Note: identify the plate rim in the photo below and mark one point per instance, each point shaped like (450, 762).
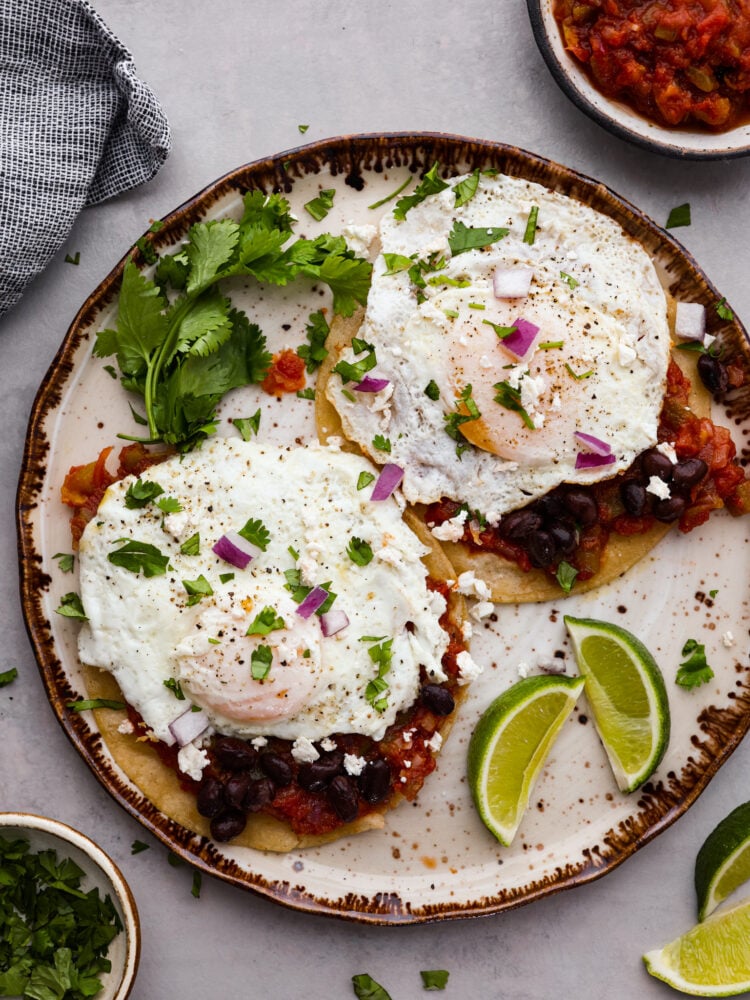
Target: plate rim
(414, 149)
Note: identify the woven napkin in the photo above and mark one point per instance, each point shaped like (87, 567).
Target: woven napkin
(77, 126)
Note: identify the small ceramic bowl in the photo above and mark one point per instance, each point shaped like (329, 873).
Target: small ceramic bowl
(618, 118)
(100, 873)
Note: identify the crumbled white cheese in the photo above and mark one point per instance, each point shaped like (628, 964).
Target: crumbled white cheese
(468, 669)
(407, 736)
(353, 764)
(531, 392)
(126, 727)
(667, 449)
(191, 761)
(467, 630)
(434, 743)
(471, 585)
(334, 443)
(728, 640)
(486, 363)
(481, 609)
(178, 525)
(259, 742)
(359, 238)
(451, 530)
(303, 751)
(659, 488)
(407, 764)
(626, 353)
(523, 669)
(328, 744)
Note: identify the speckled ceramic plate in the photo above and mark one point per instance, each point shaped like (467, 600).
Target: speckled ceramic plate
(434, 859)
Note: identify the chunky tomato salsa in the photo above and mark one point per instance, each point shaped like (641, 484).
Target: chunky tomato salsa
(678, 62)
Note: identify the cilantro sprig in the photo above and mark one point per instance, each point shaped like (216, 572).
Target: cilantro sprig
(376, 692)
(695, 670)
(454, 421)
(183, 352)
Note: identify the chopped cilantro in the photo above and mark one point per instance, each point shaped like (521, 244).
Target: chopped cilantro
(142, 492)
(320, 207)
(138, 847)
(226, 577)
(256, 533)
(550, 345)
(136, 556)
(359, 551)
(306, 394)
(530, 233)
(65, 561)
(303, 128)
(173, 685)
(381, 443)
(572, 283)
(260, 662)
(451, 313)
(316, 331)
(431, 390)
(723, 311)
(396, 262)
(462, 238)
(453, 421)
(434, 979)
(583, 375)
(144, 244)
(299, 590)
(73, 260)
(265, 622)
(501, 331)
(71, 606)
(89, 704)
(365, 988)
(196, 887)
(247, 426)
(430, 184)
(510, 398)
(566, 576)
(348, 395)
(110, 370)
(466, 189)
(679, 216)
(695, 670)
(197, 590)
(376, 692)
(8, 676)
(356, 371)
(394, 194)
(476, 305)
(169, 505)
(364, 479)
(191, 546)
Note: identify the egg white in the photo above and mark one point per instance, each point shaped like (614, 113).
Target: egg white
(594, 288)
(144, 631)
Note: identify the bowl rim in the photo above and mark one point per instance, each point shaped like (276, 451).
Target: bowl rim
(564, 77)
(123, 892)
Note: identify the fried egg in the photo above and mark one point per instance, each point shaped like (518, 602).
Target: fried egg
(597, 365)
(236, 645)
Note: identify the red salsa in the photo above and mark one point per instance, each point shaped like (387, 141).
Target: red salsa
(678, 62)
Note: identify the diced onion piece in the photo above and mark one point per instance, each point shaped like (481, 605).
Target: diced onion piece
(520, 341)
(690, 320)
(370, 384)
(593, 444)
(312, 602)
(389, 479)
(511, 282)
(589, 460)
(188, 726)
(333, 621)
(235, 549)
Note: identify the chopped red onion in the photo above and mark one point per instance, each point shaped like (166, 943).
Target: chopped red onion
(512, 282)
(519, 342)
(188, 726)
(312, 602)
(389, 479)
(593, 444)
(235, 549)
(333, 621)
(589, 460)
(690, 320)
(370, 384)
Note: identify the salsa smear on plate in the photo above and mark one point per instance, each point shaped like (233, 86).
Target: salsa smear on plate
(678, 62)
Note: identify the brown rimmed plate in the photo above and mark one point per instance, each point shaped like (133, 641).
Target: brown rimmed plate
(434, 860)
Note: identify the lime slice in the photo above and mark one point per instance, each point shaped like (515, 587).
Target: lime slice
(511, 743)
(627, 696)
(711, 960)
(723, 863)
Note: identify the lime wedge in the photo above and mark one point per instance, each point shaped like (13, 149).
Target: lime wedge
(711, 960)
(510, 744)
(723, 863)
(627, 696)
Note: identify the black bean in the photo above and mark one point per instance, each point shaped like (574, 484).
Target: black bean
(438, 699)
(235, 754)
(314, 777)
(259, 793)
(519, 524)
(342, 794)
(713, 373)
(670, 509)
(634, 497)
(689, 472)
(582, 506)
(564, 538)
(228, 825)
(236, 789)
(654, 463)
(210, 799)
(375, 781)
(278, 768)
(550, 507)
(541, 548)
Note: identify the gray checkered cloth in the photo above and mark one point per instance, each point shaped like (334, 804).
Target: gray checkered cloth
(77, 126)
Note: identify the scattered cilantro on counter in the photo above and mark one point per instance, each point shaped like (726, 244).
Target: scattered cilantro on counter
(434, 979)
(197, 881)
(8, 676)
(137, 847)
(679, 216)
(365, 988)
(303, 128)
(695, 669)
(73, 260)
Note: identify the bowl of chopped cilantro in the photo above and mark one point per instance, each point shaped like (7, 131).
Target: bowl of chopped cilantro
(68, 921)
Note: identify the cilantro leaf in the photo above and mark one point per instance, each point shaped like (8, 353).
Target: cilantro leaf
(454, 421)
(169, 505)
(510, 398)
(320, 206)
(695, 670)
(247, 426)
(141, 324)
(364, 479)
(571, 281)
(314, 352)
(8, 676)
(356, 371)
(266, 621)
(723, 311)
(71, 607)
(142, 492)
(197, 590)
(137, 557)
(365, 988)
(430, 184)
(679, 216)
(260, 662)
(173, 685)
(566, 576)
(431, 390)
(462, 238)
(381, 443)
(530, 232)
(255, 532)
(396, 262)
(376, 692)
(65, 561)
(210, 247)
(191, 546)
(359, 551)
(137, 847)
(434, 979)
(466, 189)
